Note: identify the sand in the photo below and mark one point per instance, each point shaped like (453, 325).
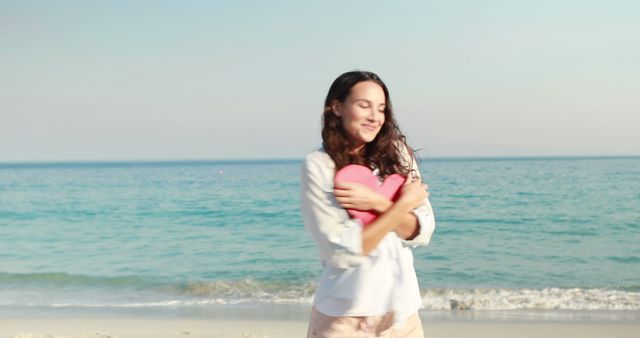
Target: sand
(107, 327)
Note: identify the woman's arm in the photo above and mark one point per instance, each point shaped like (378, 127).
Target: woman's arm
(373, 233)
(408, 227)
(358, 196)
(338, 238)
(411, 195)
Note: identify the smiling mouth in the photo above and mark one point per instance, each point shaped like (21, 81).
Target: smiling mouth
(370, 127)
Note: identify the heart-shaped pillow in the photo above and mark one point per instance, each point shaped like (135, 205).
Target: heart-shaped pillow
(355, 173)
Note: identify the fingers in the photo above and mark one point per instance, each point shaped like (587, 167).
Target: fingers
(411, 179)
(341, 192)
(344, 185)
(416, 191)
(342, 189)
(344, 200)
(350, 189)
(347, 203)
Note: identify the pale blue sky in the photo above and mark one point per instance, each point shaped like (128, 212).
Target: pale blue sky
(143, 80)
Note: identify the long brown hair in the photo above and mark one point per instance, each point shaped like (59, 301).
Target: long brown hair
(384, 152)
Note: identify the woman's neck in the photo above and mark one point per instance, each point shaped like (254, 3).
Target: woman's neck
(356, 150)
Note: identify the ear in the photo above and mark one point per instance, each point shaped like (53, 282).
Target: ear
(335, 107)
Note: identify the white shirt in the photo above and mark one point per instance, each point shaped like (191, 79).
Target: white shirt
(353, 284)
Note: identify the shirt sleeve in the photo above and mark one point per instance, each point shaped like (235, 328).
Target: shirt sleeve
(426, 224)
(424, 214)
(338, 237)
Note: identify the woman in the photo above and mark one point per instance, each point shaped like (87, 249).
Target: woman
(369, 285)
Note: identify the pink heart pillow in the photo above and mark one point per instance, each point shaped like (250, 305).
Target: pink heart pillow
(355, 173)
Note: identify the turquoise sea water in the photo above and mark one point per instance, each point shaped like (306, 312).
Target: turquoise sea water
(512, 234)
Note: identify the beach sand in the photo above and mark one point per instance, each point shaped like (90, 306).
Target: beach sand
(110, 327)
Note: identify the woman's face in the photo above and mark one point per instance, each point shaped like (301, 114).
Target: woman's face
(362, 113)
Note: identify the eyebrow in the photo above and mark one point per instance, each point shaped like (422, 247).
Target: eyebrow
(369, 102)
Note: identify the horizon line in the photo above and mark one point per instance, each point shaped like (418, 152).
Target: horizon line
(290, 159)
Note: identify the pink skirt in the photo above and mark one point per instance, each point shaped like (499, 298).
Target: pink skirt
(323, 326)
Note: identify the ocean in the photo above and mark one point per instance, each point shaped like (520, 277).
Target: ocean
(513, 236)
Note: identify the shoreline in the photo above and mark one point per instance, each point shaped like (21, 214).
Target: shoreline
(300, 312)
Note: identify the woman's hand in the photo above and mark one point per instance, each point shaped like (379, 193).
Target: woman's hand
(413, 193)
(360, 197)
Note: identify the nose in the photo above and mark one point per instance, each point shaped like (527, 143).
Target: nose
(372, 115)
